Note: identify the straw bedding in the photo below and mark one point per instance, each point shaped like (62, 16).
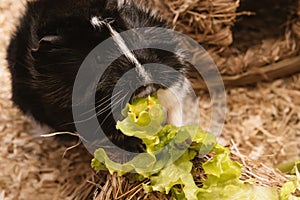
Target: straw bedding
(241, 36)
(263, 121)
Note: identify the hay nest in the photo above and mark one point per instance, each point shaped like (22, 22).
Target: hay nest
(245, 38)
(262, 124)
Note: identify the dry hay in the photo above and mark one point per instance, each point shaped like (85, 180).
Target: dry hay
(208, 22)
(263, 123)
(241, 36)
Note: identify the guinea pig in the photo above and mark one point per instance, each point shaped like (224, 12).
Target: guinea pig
(52, 40)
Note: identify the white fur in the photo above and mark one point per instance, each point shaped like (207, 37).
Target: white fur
(96, 22)
(123, 48)
(182, 107)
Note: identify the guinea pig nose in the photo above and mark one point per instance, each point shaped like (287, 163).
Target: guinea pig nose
(146, 90)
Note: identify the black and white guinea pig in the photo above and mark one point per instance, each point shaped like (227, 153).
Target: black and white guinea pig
(52, 40)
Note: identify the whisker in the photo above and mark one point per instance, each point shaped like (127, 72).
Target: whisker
(115, 96)
(106, 108)
(106, 98)
(114, 107)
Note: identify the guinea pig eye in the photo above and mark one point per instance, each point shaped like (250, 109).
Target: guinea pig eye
(48, 35)
(50, 39)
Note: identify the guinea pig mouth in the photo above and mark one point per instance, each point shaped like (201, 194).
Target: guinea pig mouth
(151, 89)
(179, 106)
(167, 100)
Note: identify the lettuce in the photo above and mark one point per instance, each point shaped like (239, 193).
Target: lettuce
(223, 180)
(287, 190)
(167, 161)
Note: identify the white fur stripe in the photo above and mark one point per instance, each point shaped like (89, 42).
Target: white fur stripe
(96, 22)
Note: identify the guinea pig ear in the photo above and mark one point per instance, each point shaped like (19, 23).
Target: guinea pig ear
(45, 42)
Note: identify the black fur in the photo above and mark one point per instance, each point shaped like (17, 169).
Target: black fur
(43, 71)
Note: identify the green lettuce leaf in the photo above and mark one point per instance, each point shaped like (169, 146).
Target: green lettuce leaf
(287, 190)
(237, 190)
(223, 180)
(143, 120)
(167, 162)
